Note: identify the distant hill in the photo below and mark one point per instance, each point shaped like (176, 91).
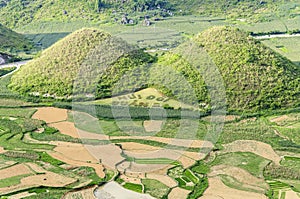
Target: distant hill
(255, 77)
(15, 13)
(11, 41)
(86, 62)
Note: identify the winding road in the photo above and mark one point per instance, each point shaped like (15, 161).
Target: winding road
(16, 64)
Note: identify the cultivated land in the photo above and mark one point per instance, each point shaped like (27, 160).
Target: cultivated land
(49, 150)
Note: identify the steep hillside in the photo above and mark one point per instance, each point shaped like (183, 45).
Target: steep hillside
(75, 66)
(11, 41)
(255, 77)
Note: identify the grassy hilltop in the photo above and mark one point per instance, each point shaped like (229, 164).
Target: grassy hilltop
(74, 65)
(11, 41)
(255, 77)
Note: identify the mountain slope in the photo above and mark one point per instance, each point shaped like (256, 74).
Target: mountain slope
(15, 13)
(11, 41)
(255, 77)
(86, 62)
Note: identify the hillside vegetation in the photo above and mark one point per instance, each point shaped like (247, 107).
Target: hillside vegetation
(11, 41)
(255, 77)
(86, 62)
(16, 13)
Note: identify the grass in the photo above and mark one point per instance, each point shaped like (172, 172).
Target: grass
(288, 47)
(5, 71)
(155, 188)
(233, 183)
(17, 112)
(252, 163)
(134, 187)
(12, 181)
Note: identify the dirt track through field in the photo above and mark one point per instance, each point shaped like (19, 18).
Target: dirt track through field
(258, 148)
(240, 175)
(217, 189)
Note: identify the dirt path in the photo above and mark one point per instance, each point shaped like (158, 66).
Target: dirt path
(217, 190)
(258, 148)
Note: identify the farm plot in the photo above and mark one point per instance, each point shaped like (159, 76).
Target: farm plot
(50, 114)
(218, 190)
(258, 148)
(250, 162)
(155, 188)
(178, 193)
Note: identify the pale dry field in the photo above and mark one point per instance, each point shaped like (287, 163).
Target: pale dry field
(50, 114)
(153, 125)
(178, 193)
(48, 179)
(258, 148)
(138, 148)
(21, 195)
(99, 169)
(84, 194)
(19, 169)
(240, 175)
(280, 119)
(217, 189)
(110, 155)
(130, 179)
(165, 179)
(291, 195)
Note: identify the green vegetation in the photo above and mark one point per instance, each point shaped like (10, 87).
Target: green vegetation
(11, 181)
(5, 71)
(155, 188)
(12, 42)
(255, 77)
(134, 187)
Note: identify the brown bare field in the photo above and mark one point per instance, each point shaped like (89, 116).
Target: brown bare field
(130, 179)
(48, 178)
(50, 114)
(218, 189)
(67, 128)
(280, 119)
(153, 125)
(258, 148)
(165, 179)
(84, 194)
(228, 118)
(240, 175)
(291, 195)
(74, 151)
(19, 169)
(178, 193)
(99, 169)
